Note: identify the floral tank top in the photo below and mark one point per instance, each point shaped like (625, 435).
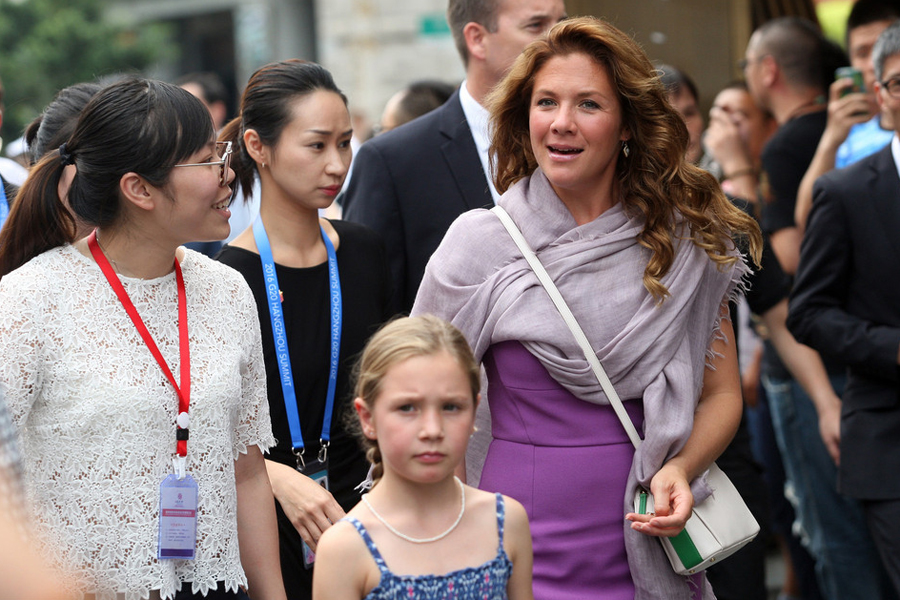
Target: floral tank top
(485, 582)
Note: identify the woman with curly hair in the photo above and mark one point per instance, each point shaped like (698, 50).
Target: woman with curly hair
(589, 157)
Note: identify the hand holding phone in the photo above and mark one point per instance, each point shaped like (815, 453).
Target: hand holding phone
(854, 74)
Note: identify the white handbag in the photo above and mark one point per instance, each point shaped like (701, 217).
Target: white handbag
(720, 525)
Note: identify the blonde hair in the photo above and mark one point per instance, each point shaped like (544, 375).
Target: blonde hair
(655, 180)
(398, 341)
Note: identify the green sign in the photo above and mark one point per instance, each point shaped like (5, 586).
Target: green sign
(434, 25)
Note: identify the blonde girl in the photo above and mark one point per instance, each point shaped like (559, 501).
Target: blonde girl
(421, 532)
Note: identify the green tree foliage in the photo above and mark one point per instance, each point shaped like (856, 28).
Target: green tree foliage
(46, 45)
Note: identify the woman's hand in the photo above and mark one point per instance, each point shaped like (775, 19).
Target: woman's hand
(310, 507)
(673, 502)
(724, 143)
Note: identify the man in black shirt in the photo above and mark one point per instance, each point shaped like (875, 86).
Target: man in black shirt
(788, 65)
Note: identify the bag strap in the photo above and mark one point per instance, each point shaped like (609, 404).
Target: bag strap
(570, 320)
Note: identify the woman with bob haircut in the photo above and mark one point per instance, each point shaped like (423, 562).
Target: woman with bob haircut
(133, 367)
(589, 156)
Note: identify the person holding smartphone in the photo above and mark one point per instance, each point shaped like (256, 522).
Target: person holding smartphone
(856, 128)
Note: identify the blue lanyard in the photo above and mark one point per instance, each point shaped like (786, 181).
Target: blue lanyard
(281, 344)
(4, 204)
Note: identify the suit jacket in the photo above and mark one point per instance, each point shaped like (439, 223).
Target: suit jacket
(846, 303)
(411, 183)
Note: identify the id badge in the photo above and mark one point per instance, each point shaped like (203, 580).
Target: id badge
(317, 471)
(177, 518)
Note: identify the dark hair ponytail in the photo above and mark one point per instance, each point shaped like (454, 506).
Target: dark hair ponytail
(134, 125)
(38, 220)
(54, 126)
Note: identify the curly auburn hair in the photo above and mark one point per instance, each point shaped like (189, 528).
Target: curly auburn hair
(400, 340)
(655, 181)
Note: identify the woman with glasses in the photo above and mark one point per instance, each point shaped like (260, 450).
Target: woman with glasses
(321, 287)
(133, 367)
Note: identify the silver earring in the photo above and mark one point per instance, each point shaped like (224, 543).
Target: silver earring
(264, 165)
(625, 149)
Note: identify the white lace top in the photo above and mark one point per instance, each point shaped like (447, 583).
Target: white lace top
(97, 415)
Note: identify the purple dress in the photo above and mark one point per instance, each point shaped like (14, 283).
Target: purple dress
(567, 462)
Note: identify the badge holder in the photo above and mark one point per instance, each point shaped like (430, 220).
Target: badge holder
(316, 470)
(178, 514)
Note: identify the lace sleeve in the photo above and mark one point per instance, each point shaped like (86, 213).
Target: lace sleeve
(254, 426)
(12, 503)
(20, 347)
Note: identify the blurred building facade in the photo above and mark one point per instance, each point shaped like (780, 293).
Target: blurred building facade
(375, 47)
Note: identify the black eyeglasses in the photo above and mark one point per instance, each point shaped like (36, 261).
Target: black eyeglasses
(223, 151)
(892, 86)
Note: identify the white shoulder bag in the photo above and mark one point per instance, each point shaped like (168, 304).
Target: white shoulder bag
(720, 525)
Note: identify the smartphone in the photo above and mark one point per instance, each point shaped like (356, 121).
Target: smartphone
(854, 74)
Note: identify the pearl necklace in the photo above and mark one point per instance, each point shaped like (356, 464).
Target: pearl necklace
(440, 536)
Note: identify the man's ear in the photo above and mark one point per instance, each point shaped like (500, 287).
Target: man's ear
(475, 35)
(878, 97)
(136, 190)
(771, 71)
(258, 151)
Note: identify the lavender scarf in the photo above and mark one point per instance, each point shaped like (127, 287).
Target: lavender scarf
(478, 280)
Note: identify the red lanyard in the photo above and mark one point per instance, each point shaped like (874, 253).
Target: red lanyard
(183, 391)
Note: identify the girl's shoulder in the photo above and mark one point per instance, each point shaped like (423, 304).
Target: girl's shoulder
(342, 537)
(507, 509)
(516, 518)
(344, 566)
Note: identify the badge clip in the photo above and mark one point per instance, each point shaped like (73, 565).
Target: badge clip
(179, 464)
(301, 463)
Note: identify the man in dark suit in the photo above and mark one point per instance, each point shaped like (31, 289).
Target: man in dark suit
(412, 182)
(846, 303)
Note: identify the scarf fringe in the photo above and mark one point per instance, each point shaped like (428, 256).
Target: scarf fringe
(740, 285)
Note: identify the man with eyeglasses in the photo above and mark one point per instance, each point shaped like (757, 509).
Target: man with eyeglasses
(856, 128)
(846, 303)
(789, 67)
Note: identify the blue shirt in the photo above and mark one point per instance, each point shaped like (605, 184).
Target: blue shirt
(864, 139)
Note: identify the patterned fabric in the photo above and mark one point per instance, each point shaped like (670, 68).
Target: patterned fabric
(11, 501)
(485, 582)
(96, 416)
